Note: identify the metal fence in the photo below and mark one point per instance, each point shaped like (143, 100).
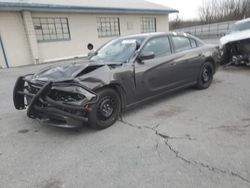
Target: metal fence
(208, 31)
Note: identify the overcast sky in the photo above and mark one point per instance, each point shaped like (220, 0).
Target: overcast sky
(188, 8)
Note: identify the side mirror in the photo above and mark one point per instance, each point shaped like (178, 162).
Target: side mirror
(92, 53)
(146, 56)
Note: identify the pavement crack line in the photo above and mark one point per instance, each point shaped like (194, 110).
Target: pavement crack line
(130, 124)
(178, 155)
(207, 166)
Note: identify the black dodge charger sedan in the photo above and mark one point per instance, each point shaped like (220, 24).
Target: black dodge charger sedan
(122, 73)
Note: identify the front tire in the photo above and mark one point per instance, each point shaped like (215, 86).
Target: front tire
(206, 76)
(107, 110)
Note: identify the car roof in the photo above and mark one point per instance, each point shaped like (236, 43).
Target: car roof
(143, 35)
(158, 34)
(155, 34)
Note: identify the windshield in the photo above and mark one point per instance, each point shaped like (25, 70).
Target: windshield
(119, 50)
(240, 27)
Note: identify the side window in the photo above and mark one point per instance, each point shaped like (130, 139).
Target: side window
(160, 46)
(193, 43)
(181, 43)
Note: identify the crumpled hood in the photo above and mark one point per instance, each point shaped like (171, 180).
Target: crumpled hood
(61, 73)
(241, 35)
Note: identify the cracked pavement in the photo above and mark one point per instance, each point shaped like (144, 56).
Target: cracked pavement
(178, 155)
(188, 139)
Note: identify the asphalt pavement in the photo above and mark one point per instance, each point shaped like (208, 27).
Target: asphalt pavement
(192, 138)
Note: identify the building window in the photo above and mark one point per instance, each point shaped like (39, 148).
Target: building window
(108, 26)
(148, 24)
(51, 29)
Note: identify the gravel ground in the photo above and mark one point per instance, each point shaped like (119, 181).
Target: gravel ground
(189, 139)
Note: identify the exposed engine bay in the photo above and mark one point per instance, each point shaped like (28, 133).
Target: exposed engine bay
(235, 46)
(236, 53)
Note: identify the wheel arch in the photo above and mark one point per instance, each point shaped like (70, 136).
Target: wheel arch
(211, 60)
(120, 90)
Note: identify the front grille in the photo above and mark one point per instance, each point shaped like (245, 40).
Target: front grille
(65, 96)
(54, 94)
(34, 88)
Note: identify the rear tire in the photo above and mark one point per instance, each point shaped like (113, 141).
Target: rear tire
(206, 76)
(107, 110)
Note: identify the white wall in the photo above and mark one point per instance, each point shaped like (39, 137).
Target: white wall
(83, 30)
(14, 39)
(162, 24)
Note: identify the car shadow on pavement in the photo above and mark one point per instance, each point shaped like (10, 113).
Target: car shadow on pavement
(242, 68)
(85, 129)
(158, 100)
(38, 127)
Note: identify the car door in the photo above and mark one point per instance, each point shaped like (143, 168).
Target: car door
(154, 76)
(188, 58)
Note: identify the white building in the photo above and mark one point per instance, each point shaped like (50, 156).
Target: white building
(37, 31)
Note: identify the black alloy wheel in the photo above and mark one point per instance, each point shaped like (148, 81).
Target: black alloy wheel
(107, 110)
(207, 73)
(205, 77)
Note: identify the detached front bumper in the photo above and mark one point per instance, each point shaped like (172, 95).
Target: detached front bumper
(40, 104)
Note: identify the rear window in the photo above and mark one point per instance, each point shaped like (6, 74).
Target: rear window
(181, 43)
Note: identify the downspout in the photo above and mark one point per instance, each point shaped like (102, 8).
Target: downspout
(4, 53)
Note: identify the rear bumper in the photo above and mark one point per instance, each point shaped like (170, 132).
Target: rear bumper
(56, 113)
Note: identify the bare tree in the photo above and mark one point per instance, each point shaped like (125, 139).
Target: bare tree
(175, 23)
(213, 11)
(223, 10)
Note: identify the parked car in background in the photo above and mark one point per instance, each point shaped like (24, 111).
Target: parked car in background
(235, 46)
(122, 73)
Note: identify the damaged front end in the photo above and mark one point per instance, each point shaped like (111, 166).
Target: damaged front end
(236, 53)
(61, 104)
